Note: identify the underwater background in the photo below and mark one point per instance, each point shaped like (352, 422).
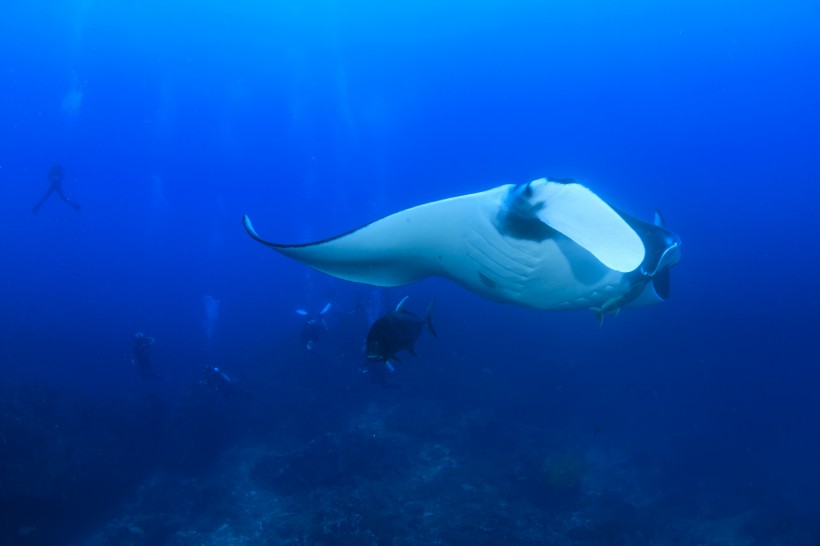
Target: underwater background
(696, 421)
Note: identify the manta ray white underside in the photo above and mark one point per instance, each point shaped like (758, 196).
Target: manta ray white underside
(547, 244)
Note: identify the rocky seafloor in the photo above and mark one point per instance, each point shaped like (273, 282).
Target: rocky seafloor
(342, 462)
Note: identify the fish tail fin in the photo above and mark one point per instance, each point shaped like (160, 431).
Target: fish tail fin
(428, 318)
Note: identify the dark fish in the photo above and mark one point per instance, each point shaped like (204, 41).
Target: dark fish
(396, 331)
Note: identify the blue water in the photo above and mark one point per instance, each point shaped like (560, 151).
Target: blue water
(698, 418)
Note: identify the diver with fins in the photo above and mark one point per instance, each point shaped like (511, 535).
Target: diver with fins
(55, 185)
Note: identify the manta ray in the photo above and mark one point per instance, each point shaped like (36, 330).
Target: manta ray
(550, 244)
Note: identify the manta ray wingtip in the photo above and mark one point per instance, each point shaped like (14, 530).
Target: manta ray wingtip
(246, 222)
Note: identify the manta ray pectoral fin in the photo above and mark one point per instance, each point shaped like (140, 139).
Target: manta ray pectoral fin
(252, 232)
(398, 249)
(586, 219)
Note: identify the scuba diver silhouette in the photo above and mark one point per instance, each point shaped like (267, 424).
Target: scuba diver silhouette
(219, 381)
(141, 355)
(315, 326)
(55, 179)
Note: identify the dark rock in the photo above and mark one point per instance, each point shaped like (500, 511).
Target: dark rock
(331, 460)
(65, 458)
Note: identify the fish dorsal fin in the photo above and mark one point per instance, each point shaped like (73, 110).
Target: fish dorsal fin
(586, 219)
(326, 308)
(400, 306)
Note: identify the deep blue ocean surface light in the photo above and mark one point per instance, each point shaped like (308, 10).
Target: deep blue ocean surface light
(235, 420)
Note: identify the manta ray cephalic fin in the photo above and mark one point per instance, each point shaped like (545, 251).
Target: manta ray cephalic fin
(582, 216)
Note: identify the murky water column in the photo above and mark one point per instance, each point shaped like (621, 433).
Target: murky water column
(211, 306)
